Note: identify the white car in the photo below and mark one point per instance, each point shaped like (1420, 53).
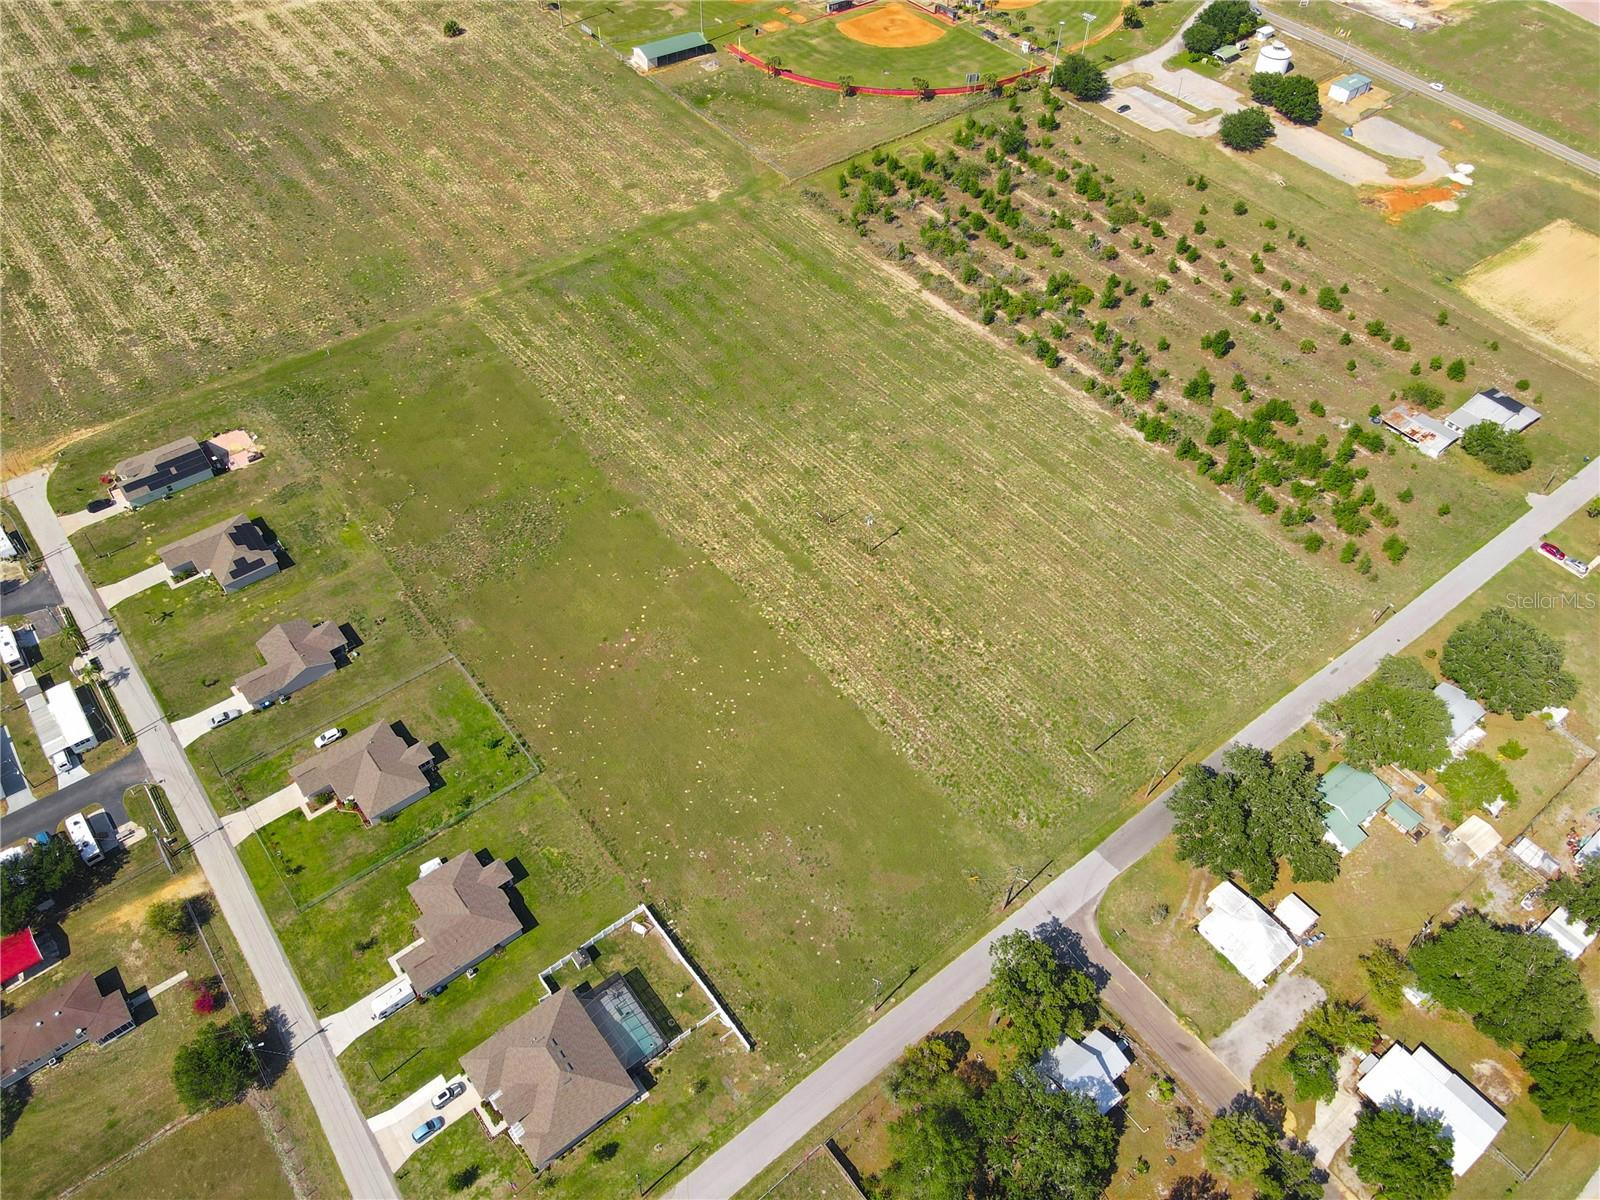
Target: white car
(450, 1093)
(327, 738)
(222, 718)
(1438, 87)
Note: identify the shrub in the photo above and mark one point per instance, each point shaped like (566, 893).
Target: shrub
(454, 29)
(1082, 78)
(1248, 129)
(1503, 451)
(1456, 371)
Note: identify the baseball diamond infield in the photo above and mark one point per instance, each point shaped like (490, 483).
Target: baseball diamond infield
(892, 26)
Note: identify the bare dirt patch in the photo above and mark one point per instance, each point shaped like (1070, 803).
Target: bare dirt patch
(1544, 285)
(893, 26)
(1014, 5)
(1494, 1081)
(1396, 202)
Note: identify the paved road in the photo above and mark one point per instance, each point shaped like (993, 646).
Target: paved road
(1072, 897)
(103, 789)
(36, 592)
(1373, 65)
(365, 1172)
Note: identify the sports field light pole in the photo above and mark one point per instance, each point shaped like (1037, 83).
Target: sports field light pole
(1088, 19)
(1059, 25)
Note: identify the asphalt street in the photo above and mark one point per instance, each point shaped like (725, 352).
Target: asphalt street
(365, 1172)
(1072, 897)
(103, 789)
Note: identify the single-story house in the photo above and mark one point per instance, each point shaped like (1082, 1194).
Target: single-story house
(1572, 936)
(72, 728)
(157, 474)
(1431, 437)
(1354, 798)
(1497, 408)
(466, 916)
(375, 770)
(1090, 1067)
(666, 51)
(553, 1077)
(1477, 835)
(1295, 915)
(1348, 87)
(59, 1022)
(1416, 1081)
(1465, 713)
(296, 653)
(1244, 933)
(233, 552)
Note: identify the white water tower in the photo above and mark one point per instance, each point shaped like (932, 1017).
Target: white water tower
(1273, 58)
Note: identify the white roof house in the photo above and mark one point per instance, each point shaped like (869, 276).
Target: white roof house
(1090, 1067)
(1295, 915)
(72, 722)
(1589, 849)
(1497, 408)
(1465, 713)
(1534, 856)
(1420, 1083)
(1244, 933)
(1572, 936)
(1431, 437)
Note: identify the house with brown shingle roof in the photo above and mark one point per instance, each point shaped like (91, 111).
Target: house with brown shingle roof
(296, 653)
(553, 1077)
(58, 1023)
(233, 552)
(466, 916)
(376, 770)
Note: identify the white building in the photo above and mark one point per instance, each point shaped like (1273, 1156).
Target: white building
(1295, 915)
(1495, 407)
(1477, 835)
(1245, 934)
(1572, 936)
(72, 723)
(1431, 437)
(1274, 59)
(1465, 713)
(1347, 88)
(1418, 1082)
(1090, 1067)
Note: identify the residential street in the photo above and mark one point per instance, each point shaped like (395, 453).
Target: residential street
(365, 1171)
(103, 789)
(1073, 896)
(1375, 66)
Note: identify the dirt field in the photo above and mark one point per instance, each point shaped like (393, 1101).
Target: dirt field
(893, 26)
(1545, 285)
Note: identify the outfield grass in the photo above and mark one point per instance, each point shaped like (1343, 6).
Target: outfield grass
(334, 169)
(1521, 60)
(310, 857)
(820, 50)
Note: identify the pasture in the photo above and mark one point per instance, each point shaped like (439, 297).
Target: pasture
(172, 213)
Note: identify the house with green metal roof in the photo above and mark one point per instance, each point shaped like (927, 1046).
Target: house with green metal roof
(1403, 817)
(666, 51)
(1354, 798)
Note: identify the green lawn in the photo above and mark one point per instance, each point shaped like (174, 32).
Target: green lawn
(223, 1156)
(819, 50)
(652, 971)
(1518, 59)
(309, 857)
(340, 945)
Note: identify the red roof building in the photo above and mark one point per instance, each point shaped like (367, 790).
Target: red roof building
(18, 953)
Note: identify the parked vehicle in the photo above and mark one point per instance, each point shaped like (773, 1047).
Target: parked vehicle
(1122, 108)
(327, 738)
(449, 1094)
(222, 718)
(427, 1129)
(83, 838)
(1553, 550)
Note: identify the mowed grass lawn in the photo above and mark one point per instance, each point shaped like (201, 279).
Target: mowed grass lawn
(476, 757)
(225, 1155)
(820, 49)
(113, 1097)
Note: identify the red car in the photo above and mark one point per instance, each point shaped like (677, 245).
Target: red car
(1553, 550)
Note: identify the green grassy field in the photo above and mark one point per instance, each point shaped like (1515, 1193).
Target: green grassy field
(1519, 59)
(335, 168)
(224, 1155)
(820, 50)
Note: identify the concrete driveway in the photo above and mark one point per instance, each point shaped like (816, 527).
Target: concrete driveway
(83, 518)
(192, 728)
(1271, 1019)
(394, 1126)
(114, 594)
(239, 825)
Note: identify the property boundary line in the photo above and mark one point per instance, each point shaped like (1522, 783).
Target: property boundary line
(965, 89)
